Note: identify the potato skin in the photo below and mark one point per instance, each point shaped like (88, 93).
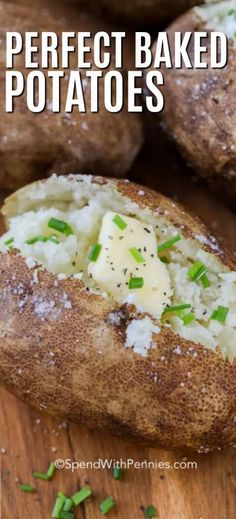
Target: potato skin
(150, 11)
(32, 145)
(203, 121)
(70, 359)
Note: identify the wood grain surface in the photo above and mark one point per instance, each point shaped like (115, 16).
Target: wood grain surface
(30, 440)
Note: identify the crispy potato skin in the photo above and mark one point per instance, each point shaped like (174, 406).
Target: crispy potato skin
(203, 121)
(32, 145)
(143, 10)
(72, 362)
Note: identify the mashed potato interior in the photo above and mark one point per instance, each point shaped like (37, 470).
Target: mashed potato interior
(83, 207)
(220, 16)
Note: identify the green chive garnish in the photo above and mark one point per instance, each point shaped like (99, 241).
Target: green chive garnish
(177, 308)
(80, 496)
(60, 226)
(150, 512)
(197, 271)
(67, 515)
(9, 242)
(220, 314)
(136, 283)
(107, 505)
(35, 239)
(94, 252)
(27, 488)
(118, 473)
(59, 503)
(41, 475)
(205, 281)
(188, 318)
(168, 244)
(137, 255)
(119, 222)
(68, 505)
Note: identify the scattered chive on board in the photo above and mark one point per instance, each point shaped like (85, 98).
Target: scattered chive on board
(68, 505)
(82, 495)
(136, 283)
(94, 252)
(119, 222)
(107, 505)
(67, 515)
(60, 226)
(117, 473)
(58, 506)
(168, 244)
(150, 512)
(40, 475)
(220, 314)
(137, 255)
(27, 488)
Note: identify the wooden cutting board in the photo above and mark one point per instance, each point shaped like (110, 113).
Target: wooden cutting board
(30, 440)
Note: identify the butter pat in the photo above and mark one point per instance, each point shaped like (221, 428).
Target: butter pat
(116, 264)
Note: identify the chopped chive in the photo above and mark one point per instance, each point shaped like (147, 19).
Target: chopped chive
(54, 239)
(137, 255)
(35, 239)
(220, 314)
(107, 505)
(177, 308)
(150, 512)
(80, 496)
(68, 505)
(197, 271)
(51, 470)
(168, 244)
(119, 222)
(205, 281)
(94, 252)
(27, 488)
(118, 473)
(136, 283)
(60, 226)
(187, 319)
(67, 515)
(8, 242)
(58, 506)
(164, 259)
(41, 475)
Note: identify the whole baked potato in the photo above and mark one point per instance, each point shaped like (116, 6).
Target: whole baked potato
(204, 116)
(118, 309)
(32, 144)
(150, 11)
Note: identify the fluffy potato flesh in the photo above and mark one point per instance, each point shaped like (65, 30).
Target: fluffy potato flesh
(86, 244)
(220, 16)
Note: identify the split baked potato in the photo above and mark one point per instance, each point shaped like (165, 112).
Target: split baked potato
(150, 11)
(33, 143)
(118, 309)
(203, 119)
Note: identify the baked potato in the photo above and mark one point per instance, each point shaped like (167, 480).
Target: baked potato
(33, 143)
(118, 309)
(149, 11)
(203, 121)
